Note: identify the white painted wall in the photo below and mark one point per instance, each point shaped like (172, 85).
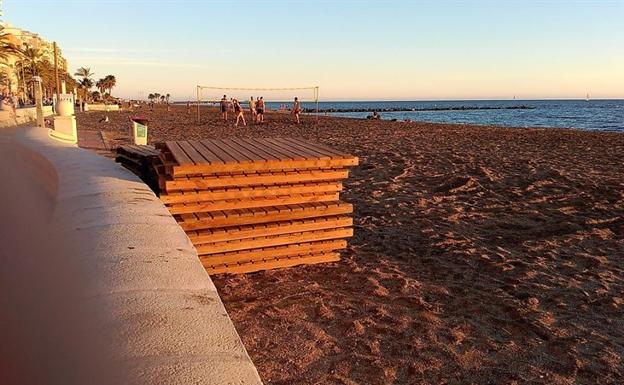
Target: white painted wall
(99, 284)
(21, 116)
(103, 107)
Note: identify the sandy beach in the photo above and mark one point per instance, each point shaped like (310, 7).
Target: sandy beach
(481, 255)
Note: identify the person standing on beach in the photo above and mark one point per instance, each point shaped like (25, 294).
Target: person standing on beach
(297, 109)
(238, 110)
(261, 110)
(252, 109)
(224, 107)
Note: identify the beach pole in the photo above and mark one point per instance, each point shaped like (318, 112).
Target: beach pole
(198, 118)
(38, 100)
(56, 76)
(316, 96)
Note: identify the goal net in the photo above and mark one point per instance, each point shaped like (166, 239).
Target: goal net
(275, 99)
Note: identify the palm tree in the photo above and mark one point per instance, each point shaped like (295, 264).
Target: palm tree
(32, 64)
(87, 80)
(33, 56)
(85, 85)
(101, 86)
(110, 83)
(5, 80)
(6, 47)
(84, 72)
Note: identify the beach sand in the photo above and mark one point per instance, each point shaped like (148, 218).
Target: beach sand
(481, 255)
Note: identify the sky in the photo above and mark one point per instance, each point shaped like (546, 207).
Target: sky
(352, 50)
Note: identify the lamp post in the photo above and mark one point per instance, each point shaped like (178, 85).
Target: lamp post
(38, 100)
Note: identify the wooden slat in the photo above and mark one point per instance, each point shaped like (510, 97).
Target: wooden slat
(276, 240)
(206, 153)
(249, 192)
(282, 152)
(180, 156)
(192, 153)
(138, 151)
(273, 264)
(266, 215)
(254, 231)
(249, 203)
(226, 157)
(304, 152)
(273, 252)
(267, 166)
(243, 150)
(263, 155)
(317, 147)
(255, 179)
(237, 152)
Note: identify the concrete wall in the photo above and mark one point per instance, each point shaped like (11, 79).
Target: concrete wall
(21, 116)
(102, 107)
(99, 284)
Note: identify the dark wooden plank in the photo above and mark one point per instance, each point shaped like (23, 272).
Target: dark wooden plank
(206, 153)
(224, 156)
(274, 240)
(273, 252)
(321, 147)
(178, 154)
(252, 146)
(238, 153)
(281, 155)
(303, 147)
(234, 144)
(267, 229)
(283, 150)
(310, 155)
(195, 156)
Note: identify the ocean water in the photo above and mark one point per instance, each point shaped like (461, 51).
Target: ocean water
(603, 115)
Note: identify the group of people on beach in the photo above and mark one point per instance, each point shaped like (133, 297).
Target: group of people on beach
(256, 108)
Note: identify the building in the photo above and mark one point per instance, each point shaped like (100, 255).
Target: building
(25, 39)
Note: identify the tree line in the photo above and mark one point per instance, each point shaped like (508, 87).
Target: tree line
(155, 97)
(86, 83)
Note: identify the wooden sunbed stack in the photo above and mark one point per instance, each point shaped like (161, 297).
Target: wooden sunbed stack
(256, 204)
(141, 160)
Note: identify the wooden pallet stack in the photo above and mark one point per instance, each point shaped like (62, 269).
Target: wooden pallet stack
(256, 204)
(141, 160)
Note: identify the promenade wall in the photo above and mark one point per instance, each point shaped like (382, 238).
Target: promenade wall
(99, 284)
(102, 107)
(21, 116)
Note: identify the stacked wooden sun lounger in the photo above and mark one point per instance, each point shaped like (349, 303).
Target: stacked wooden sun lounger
(142, 161)
(256, 204)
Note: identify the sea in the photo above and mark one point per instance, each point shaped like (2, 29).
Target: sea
(599, 115)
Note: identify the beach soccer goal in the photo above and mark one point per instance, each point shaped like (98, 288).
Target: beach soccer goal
(276, 99)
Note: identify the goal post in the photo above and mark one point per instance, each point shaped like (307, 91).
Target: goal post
(212, 94)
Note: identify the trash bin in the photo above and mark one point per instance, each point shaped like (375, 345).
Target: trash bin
(139, 130)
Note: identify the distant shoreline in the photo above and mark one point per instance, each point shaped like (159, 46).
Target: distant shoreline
(603, 115)
(399, 109)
